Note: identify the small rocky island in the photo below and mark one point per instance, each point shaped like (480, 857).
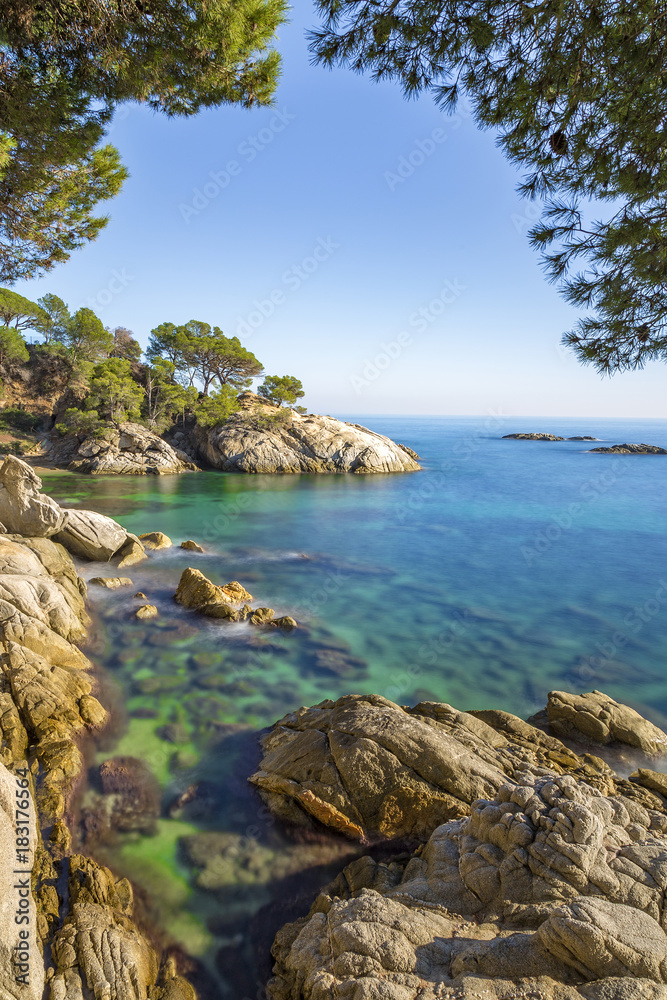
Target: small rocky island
(632, 449)
(547, 437)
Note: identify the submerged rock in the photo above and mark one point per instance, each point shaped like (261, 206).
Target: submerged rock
(128, 449)
(632, 449)
(146, 611)
(111, 582)
(266, 439)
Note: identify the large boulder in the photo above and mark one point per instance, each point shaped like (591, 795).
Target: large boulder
(263, 438)
(548, 889)
(23, 509)
(128, 449)
(94, 536)
(372, 769)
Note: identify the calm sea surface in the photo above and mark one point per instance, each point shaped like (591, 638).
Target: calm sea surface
(502, 571)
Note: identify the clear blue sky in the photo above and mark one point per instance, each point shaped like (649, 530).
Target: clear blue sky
(351, 227)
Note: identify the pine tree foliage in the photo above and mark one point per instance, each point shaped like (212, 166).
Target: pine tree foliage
(577, 95)
(67, 64)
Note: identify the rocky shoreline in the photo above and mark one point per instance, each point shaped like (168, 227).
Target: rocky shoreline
(537, 872)
(260, 438)
(502, 859)
(76, 937)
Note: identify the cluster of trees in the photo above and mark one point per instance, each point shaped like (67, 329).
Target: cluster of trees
(189, 370)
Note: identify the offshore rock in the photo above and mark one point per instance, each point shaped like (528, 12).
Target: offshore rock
(191, 546)
(155, 540)
(266, 439)
(128, 449)
(632, 449)
(535, 437)
(111, 582)
(196, 591)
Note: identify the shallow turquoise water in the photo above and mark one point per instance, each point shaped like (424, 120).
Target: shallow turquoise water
(503, 570)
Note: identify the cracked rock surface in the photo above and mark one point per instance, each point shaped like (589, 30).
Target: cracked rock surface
(546, 880)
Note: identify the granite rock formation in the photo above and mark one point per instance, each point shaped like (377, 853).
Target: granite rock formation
(128, 449)
(546, 880)
(631, 449)
(262, 438)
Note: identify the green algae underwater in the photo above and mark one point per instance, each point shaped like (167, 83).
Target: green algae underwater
(474, 582)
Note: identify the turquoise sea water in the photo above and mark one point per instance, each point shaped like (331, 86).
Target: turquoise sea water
(503, 570)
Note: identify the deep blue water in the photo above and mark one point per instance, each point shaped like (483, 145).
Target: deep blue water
(503, 570)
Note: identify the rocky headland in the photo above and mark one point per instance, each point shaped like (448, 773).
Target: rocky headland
(536, 871)
(264, 438)
(632, 449)
(260, 437)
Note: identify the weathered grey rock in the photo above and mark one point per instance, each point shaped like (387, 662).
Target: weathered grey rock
(533, 437)
(14, 893)
(263, 439)
(632, 449)
(94, 536)
(372, 769)
(599, 718)
(548, 889)
(128, 449)
(22, 507)
(26, 585)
